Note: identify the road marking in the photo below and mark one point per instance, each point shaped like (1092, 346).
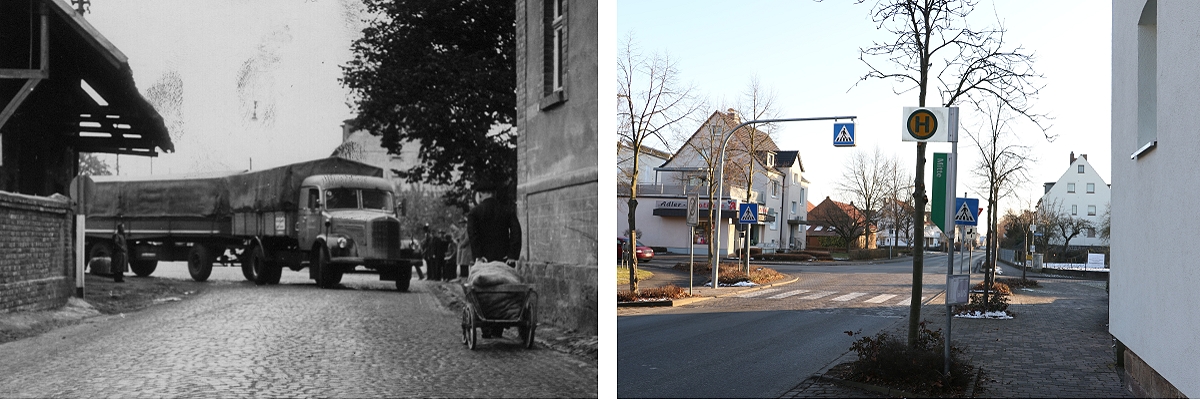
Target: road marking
(908, 301)
(816, 295)
(880, 298)
(758, 293)
(785, 295)
(848, 296)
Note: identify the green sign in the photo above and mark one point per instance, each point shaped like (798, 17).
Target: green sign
(941, 172)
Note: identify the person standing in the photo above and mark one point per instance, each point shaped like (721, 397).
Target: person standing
(433, 257)
(120, 254)
(449, 256)
(492, 226)
(462, 247)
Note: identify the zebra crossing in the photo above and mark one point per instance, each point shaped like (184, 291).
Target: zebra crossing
(847, 297)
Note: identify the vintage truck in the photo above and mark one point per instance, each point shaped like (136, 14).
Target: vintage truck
(330, 215)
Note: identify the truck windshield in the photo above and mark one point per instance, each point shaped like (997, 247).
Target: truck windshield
(376, 199)
(341, 198)
(372, 199)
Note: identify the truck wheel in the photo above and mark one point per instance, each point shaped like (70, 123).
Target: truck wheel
(404, 277)
(248, 266)
(100, 258)
(199, 262)
(143, 268)
(328, 274)
(258, 263)
(275, 269)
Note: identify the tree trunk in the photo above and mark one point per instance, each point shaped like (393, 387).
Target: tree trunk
(632, 251)
(914, 308)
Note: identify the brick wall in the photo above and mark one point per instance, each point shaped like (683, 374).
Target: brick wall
(36, 258)
(561, 248)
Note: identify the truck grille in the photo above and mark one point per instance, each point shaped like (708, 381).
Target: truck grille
(385, 238)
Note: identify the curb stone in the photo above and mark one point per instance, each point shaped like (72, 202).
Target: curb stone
(690, 300)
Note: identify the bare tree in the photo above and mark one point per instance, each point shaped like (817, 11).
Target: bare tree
(1001, 169)
(867, 182)
(898, 203)
(845, 221)
(758, 102)
(931, 33)
(1065, 225)
(650, 101)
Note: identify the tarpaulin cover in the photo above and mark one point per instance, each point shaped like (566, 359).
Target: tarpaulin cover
(497, 305)
(213, 194)
(278, 189)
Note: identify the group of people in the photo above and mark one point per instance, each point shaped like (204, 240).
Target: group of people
(489, 232)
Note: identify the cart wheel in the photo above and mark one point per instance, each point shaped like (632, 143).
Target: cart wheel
(470, 336)
(527, 330)
(466, 324)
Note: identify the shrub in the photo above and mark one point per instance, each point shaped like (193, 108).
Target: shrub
(663, 292)
(868, 254)
(788, 257)
(1017, 282)
(887, 359)
(997, 299)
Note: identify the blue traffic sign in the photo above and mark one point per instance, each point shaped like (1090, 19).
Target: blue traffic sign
(843, 135)
(966, 211)
(748, 213)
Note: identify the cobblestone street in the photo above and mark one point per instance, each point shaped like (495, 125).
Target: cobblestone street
(290, 340)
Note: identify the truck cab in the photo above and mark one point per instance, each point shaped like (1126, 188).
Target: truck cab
(349, 220)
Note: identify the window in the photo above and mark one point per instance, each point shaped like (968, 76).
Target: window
(1071, 187)
(1081, 168)
(1147, 80)
(795, 178)
(793, 207)
(1091, 188)
(1074, 209)
(1092, 211)
(774, 189)
(1091, 232)
(554, 53)
(818, 228)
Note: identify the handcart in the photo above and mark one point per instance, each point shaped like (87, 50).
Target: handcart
(480, 310)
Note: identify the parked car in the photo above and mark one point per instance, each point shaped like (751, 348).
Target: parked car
(644, 252)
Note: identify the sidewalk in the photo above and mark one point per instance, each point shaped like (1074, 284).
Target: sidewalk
(1057, 346)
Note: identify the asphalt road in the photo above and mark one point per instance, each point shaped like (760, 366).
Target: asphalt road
(763, 343)
(238, 340)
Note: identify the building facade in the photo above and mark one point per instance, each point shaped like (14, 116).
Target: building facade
(1080, 192)
(557, 158)
(662, 206)
(1152, 311)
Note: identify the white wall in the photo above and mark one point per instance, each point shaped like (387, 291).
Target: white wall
(670, 232)
(1152, 306)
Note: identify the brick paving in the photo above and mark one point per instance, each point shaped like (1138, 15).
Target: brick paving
(1057, 346)
(236, 340)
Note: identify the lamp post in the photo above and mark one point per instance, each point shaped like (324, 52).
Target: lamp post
(721, 183)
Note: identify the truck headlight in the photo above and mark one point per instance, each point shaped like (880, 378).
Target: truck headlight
(342, 242)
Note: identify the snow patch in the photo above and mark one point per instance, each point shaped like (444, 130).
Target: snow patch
(987, 315)
(741, 284)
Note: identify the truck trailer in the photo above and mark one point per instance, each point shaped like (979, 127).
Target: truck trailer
(330, 215)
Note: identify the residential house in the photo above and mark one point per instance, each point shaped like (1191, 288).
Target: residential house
(649, 159)
(793, 210)
(1080, 192)
(830, 218)
(661, 214)
(1152, 311)
(558, 148)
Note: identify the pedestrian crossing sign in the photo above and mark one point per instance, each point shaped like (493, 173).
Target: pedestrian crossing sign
(843, 135)
(967, 211)
(748, 213)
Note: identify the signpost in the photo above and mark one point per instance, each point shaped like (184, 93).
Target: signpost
(693, 219)
(843, 135)
(939, 124)
(748, 213)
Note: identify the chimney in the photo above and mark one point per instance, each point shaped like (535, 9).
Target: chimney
(348, 129)
(1084, 156)
(1072, 158)
(733, 114)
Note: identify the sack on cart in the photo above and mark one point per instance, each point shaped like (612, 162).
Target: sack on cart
(496, 305)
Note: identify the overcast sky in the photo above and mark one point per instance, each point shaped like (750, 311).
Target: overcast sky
(259, 79)
(807, 52)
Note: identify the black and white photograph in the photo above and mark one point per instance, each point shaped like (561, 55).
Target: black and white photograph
(300, 199)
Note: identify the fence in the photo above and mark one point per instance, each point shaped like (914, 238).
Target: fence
(37, 270)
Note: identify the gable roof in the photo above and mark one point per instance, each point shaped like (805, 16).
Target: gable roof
(788, 158)
(740, 139)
